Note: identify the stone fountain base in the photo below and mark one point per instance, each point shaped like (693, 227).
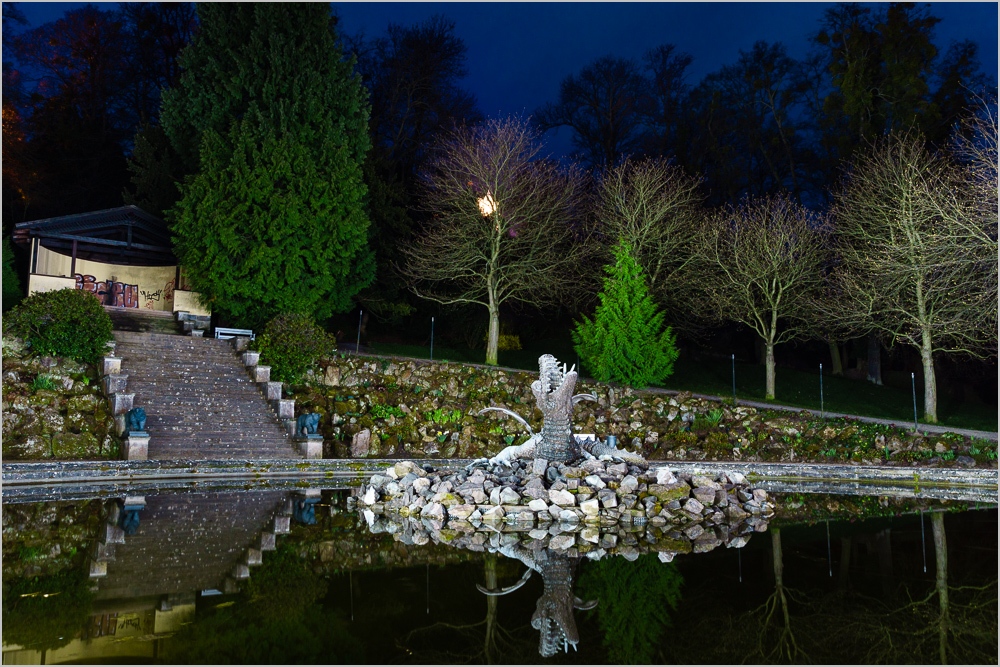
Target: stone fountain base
(691, 513)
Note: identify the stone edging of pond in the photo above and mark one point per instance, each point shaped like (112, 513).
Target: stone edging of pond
(18, 476)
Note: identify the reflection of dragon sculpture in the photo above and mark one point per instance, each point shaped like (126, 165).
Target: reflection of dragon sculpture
(553, 615)
(554, 396)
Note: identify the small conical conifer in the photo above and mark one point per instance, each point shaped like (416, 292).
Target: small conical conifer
(626, 341)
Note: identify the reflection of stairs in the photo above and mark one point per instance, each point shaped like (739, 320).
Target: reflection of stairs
(199, 400)
(140, 319)
(188, 542)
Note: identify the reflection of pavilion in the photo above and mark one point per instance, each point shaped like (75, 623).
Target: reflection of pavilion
(156, 555)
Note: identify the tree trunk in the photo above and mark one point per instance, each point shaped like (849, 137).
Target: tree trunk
(769, 371)
(837, 366)
(845, 563)
(489, 644)
(930, 383)
(493, 337)
(941, 580)
(874, 360)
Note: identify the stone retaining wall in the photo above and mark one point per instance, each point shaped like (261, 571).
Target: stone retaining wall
(396, 407)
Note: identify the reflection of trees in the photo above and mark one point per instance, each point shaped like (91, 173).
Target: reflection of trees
(944, 623)
(635, 604)
(279, 619)
(444, 642)
(46, 612)
(785, 647)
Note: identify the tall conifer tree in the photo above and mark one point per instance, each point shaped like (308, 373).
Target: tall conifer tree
(626, 341)
(271, 125)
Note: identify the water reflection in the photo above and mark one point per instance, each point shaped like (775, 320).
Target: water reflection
(164, 595)
(554, 552)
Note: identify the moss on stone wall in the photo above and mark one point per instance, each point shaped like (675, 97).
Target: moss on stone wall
(53, 409)
(393, 407)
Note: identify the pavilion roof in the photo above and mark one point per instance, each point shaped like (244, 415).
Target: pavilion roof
(125, 235)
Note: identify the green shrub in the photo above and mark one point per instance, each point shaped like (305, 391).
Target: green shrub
(291, 344)
(64, 323)
(46, 612)
(12, 293)
(626, 341)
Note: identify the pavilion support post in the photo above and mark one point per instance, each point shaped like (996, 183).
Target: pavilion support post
(34, 254)
(72, 264)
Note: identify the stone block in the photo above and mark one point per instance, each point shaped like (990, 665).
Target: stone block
(187, 325)
(120, 403)
(290, 427)
(136, 446)
(251, 358)
(254, 557)
(267, 542)
(102, 552)
(111, 365)
(181, 315)
(311, 447)
(282, 525)
(98, 569)
(272, 391)
(113, 534)
(114, 512)
(260, 373)
(285, 407)
(135, 501)
(241, 571)
(120, 425)
(115, 384)
(230, 586)
(198, 333)
(240, 343)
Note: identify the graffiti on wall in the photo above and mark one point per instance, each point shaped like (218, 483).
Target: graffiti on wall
(109, 292)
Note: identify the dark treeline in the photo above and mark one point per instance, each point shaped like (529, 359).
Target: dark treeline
(87, 125)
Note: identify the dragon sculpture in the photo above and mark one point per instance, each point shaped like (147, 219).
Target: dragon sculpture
(554, 396)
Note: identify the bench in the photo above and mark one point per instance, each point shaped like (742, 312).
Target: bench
(222, 332)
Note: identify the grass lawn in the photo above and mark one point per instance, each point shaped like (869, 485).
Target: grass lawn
(714, 376)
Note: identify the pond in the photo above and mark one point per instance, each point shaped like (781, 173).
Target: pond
(295, 574)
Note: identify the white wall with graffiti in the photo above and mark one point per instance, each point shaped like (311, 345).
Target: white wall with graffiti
(148, 287)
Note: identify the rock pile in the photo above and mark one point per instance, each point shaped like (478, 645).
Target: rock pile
(587, 505)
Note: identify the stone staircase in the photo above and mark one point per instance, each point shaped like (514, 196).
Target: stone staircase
(200, 400)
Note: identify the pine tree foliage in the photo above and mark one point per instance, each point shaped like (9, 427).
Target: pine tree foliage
(626, 341)
(634, 605)
(273, 218)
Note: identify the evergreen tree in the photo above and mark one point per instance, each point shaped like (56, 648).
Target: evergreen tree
(273, 126)
(626, 341)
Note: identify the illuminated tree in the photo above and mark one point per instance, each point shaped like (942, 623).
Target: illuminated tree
(761, 265)
(273, 218)
(653, 207)
(917, 263)
(501, 227)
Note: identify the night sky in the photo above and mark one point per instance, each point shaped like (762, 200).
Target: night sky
(518, 53)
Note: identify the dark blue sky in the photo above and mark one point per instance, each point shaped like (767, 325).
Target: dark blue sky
(518, 53)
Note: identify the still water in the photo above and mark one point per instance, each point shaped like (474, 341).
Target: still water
(294, 576)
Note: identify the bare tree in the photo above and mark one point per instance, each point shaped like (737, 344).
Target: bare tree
(605, 107)
(761, 265)
(654, 207)
(917, 266)
(501, 225)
